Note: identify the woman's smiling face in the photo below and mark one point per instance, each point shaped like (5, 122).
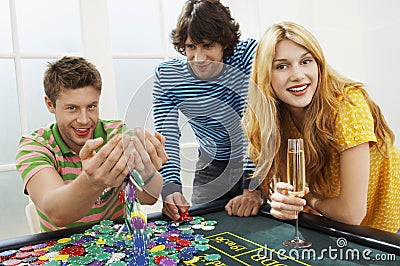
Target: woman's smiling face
(294, 75)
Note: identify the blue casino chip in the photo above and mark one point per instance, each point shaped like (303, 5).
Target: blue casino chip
(139, 260)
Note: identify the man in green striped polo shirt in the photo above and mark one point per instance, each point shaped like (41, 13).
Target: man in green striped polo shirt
(74, 169)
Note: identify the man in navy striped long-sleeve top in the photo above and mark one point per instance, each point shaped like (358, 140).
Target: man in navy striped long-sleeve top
(209, 86)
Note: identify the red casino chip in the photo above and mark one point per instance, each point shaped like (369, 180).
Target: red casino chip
(26, 248)
(73, 251)
(121, 196)
(183, 242)
(51, 243)
(157, 259)
(39, 262)
(38, 253)
(173, 238)
(184, 216)
(22, 255)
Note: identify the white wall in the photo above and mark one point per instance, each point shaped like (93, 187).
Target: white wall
(360, 39)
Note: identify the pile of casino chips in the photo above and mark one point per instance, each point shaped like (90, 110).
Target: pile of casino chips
(167, 243)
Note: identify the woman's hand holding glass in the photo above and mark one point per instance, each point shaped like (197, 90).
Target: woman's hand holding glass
(284, 206)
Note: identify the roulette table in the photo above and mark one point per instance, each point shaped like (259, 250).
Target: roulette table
(218, 239)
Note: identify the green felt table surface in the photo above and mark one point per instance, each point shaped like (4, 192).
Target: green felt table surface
(257, 240)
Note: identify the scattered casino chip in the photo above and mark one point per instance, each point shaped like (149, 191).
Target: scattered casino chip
(197, 226)
(208, 227)
(210, 222)
(212, 257)
(168, 262)
(202, 247)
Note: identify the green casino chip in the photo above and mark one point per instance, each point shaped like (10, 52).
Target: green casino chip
(76, 236)
(160, 229)
(86, 260)
(148, 232)
(117, 263)
(53, 263)
(184, 227)
(56, 247)
(103, 256)
(212, 257)
(109, 240)
(198, 218)
(107, 223)
(202, 247)
(76, 260)
(171, 251)
(94, 250)
(106, 230)
(211, 222)
(187, 231)
(202, 240)
(160, 222)
(96, 227)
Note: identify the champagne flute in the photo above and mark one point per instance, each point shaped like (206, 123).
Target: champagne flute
(296, 176)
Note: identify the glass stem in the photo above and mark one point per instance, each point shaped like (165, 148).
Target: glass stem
(297, 226)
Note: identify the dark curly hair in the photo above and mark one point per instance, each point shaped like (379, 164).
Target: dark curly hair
(206, 20)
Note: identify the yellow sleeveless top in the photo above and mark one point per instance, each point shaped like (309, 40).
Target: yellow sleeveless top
(354, 126)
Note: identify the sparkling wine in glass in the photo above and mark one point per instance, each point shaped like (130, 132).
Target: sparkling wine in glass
(296, 176)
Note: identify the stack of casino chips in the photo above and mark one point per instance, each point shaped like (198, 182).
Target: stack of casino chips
(136, 222)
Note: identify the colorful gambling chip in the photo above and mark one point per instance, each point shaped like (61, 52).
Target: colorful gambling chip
(184, 216)
(212, 257)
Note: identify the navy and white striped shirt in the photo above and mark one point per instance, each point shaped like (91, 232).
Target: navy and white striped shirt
(214, 108)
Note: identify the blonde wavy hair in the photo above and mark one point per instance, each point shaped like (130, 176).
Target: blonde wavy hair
(266, 115)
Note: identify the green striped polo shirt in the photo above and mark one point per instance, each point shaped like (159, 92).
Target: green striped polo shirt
(45, 148)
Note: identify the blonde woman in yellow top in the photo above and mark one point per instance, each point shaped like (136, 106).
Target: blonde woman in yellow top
(352, 165)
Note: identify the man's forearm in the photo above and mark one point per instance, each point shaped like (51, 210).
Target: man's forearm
(70, 202)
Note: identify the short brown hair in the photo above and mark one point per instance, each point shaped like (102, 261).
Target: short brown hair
(70, 73)
(206, 19)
